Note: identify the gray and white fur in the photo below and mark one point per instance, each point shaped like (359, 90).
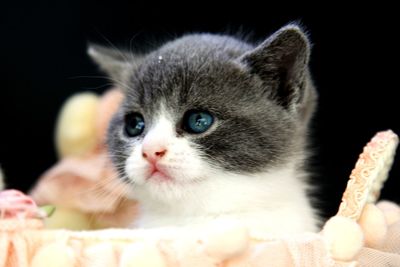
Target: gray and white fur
(250, 164)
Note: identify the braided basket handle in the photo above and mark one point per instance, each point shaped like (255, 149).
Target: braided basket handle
(369, 174)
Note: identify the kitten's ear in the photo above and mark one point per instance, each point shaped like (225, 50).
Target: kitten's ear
(281, 62)
(114, 62)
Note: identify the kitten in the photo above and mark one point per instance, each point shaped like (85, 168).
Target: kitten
(214, 127)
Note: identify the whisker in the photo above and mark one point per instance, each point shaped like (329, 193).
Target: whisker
(98, 186)
(109, 197)
(123, 55)
(131, 41)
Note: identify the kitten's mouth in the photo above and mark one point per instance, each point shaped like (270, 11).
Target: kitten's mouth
(159, 176)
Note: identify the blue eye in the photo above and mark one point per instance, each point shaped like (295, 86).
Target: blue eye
(134, 124)
(197, 122)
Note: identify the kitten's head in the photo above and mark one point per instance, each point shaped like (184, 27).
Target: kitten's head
(206, 105)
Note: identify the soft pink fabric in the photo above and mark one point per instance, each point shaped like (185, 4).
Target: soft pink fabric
(15, 204)
(88, 185)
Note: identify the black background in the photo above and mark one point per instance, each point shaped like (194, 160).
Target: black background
(43, 61)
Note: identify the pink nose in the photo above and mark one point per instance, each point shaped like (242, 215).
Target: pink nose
(153, 154)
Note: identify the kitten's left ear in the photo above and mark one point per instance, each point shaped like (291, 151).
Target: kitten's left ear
(281, 63)
(117, 63)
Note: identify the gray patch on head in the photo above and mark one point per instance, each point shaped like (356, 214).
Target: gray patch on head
(261, 96)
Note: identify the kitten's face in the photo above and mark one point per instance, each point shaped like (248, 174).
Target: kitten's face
(199, 108)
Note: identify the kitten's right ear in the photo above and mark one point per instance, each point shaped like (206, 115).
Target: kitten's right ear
(281, 62)
(114, 62)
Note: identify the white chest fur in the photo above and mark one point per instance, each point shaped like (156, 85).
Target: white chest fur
(274, 202)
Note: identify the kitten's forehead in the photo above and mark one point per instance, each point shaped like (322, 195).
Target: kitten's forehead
(185, 77)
